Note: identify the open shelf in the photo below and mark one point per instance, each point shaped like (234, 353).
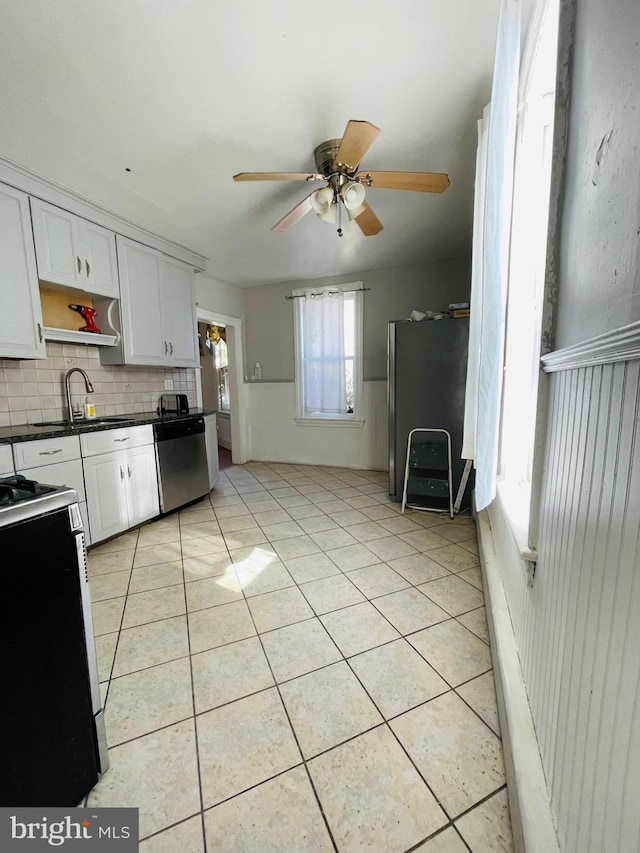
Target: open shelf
(73, 337)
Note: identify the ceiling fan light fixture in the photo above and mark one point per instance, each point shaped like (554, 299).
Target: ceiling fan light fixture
(352, 195)
(330, 215)
(321, 200)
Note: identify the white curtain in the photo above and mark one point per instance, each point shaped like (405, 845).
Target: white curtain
(323, 354)
(498, 189)
(473, 361)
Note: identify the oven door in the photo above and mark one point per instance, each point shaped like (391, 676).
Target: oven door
(48, 749)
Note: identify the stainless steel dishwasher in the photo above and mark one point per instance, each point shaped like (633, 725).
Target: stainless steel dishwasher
(181, 456)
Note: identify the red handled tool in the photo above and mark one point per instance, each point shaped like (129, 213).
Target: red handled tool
(87, 315)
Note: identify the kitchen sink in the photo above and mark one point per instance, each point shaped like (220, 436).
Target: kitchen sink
(84, 422)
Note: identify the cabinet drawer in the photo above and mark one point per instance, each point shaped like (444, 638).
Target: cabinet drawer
(6, 460)
(34, 454)
(60, 474)
(105, 441)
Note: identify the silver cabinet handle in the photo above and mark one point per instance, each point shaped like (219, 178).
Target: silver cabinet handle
(126, 438)
(166, 348)
(40, 333)
(121, 474)
(171, 347)
(88, 268)
(129, 471)
(79, 263)
(49, 452)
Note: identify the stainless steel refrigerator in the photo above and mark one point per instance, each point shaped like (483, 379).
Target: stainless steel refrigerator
(426, 376)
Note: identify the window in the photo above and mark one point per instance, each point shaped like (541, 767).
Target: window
(511, 219)
(529, 222)
(328, 342)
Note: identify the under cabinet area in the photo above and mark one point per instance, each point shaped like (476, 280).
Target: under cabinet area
(21, 332)
(73, 252)
(121, 484)
(157, 309)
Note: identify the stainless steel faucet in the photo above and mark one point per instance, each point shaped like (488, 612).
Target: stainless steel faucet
(67, 385)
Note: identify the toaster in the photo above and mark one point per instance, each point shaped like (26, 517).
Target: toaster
(173, 404)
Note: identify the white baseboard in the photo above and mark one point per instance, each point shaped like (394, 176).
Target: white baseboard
(531, 818)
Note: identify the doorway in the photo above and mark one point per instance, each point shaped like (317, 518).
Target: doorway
(219, 383)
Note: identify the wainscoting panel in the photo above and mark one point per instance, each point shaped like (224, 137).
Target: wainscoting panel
(578, 628)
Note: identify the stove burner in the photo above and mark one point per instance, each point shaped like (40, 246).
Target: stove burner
(16, 489)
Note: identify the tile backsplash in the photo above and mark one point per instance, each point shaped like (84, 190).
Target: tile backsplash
(32, 391)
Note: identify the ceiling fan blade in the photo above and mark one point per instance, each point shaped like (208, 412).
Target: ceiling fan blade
(423, 182)
(368, 221)
(277, 176)
(293, 216)
(357, 139)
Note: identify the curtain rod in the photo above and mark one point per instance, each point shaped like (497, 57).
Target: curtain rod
(326, 292)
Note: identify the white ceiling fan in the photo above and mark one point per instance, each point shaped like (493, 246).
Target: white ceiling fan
(338, 164)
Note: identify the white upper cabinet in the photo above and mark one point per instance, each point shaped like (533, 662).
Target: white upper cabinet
(73, 252)
(157, 309)
(179, 312)
(143, 340)
(100, 259)
(21, 334)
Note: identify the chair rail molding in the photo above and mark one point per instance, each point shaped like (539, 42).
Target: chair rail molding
(622, 344)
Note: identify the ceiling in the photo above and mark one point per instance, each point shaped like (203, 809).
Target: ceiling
(185, 95)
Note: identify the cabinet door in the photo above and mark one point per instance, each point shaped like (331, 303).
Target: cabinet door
(58, 244)
(142, 483)
(140, 305)
(21, 334)
(100, 260)
(104, 478)
(179, 310)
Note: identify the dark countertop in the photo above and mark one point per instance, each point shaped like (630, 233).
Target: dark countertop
(28, 432)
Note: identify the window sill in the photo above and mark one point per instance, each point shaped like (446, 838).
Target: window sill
(514, 501)
(354, 423)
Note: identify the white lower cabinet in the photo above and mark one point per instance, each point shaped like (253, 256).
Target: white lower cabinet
(29, 459)
(6, 461)
(142, 484)
(122, 490)
(211, 438)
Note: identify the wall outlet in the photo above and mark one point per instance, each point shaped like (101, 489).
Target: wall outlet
(168, 384)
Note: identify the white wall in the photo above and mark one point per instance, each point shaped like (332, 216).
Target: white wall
(391, 295)
(219, 296)
(275, 437)
(599, 261)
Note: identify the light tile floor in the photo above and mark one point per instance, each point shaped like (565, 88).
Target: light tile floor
(293, 665)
